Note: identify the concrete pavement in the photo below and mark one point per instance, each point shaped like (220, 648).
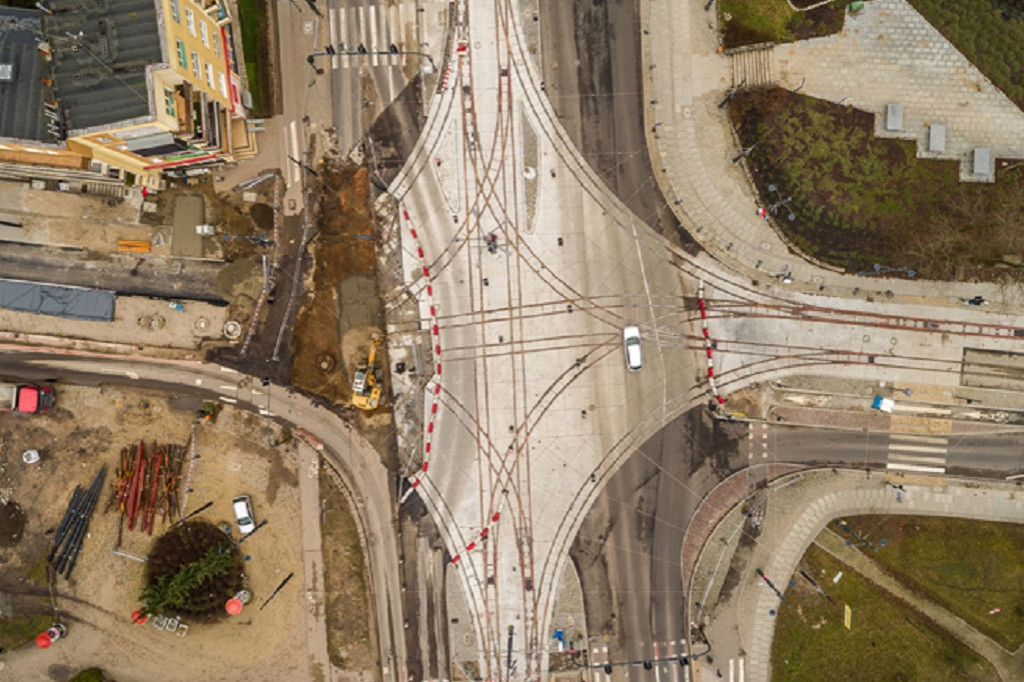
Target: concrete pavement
(692, 146)
(320, 668)
(795, 509)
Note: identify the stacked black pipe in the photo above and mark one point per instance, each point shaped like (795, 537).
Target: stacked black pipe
(72, 529)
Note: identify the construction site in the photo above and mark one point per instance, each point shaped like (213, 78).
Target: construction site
(77, 523)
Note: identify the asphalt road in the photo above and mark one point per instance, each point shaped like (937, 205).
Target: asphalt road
(629, 547)
(628, 550)
(593, 83)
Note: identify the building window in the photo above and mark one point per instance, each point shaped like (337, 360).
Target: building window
(209, 75)
(195, 64)
(216, 42)
(182, 56)
(190, 20)
(205, 33)
(175, 11)
(223, 84)
(169, 105)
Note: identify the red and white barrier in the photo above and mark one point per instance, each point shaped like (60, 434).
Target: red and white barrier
(707, 343)
(435, 335)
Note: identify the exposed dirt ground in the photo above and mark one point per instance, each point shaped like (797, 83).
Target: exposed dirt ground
(86, 430)
(342, 248)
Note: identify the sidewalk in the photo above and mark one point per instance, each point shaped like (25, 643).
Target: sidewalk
(795, 509)
(320, 668)
(692, 145)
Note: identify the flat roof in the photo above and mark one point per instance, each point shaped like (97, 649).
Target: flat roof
(99, 76)
(21, 97)
(76, 303)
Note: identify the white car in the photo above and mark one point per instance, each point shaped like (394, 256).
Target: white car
(243, 514)
(634, 347)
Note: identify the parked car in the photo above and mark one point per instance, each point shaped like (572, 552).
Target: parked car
(243, 514)
(634, 347)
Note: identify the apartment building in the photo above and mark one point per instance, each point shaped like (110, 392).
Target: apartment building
(135, 89)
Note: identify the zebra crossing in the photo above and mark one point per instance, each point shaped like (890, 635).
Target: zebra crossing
(923, 454)
(665, 666)
(919, 443)
(376, 28)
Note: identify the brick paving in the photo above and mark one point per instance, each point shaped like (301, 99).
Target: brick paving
(888, 53)
(693, 147)
(799, 508)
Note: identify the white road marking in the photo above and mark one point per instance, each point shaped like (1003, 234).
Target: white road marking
(225, 387)
(916, 458)
(741, 670)
(915, 448)
(921, 409)
(228, 369)
(333, 18)
(914, 467)
(132, 375)
(293, 147)
(346, 60)
(937, 440)
(227, 399)
(374, 46)
(199, 382)
(732, 670)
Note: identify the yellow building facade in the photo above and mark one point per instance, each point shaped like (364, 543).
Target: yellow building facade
(174, 106)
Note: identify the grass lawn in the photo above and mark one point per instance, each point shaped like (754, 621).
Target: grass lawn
(252, 20)
(21, 629)
(746, 22)
(858, 200)
(970, 567)
(887, 639)
(989, 33)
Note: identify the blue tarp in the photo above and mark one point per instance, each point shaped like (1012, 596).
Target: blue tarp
(75, 303)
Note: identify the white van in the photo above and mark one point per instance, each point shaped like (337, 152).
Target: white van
(634, 347)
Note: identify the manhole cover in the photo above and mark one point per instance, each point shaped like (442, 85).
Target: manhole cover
(232, 329)
(326, 362)
(202, 324)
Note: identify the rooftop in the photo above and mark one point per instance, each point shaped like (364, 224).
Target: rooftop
(101, 49)
(21, 98)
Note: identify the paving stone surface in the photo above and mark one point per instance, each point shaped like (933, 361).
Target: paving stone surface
(888, 54)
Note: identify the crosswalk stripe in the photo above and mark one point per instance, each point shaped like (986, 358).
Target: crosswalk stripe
(334, 40)
(916, 458)
(390, 27)
(920, 409)
(914, 467)
(360, 27)
(938, 440)
(915, 448)
(346, 42)
(374, 45)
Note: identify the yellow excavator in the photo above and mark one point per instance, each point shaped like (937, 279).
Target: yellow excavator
(366, 389)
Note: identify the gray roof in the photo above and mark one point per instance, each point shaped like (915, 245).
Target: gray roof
(21, 99)
(100, 77)
(75, 303)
